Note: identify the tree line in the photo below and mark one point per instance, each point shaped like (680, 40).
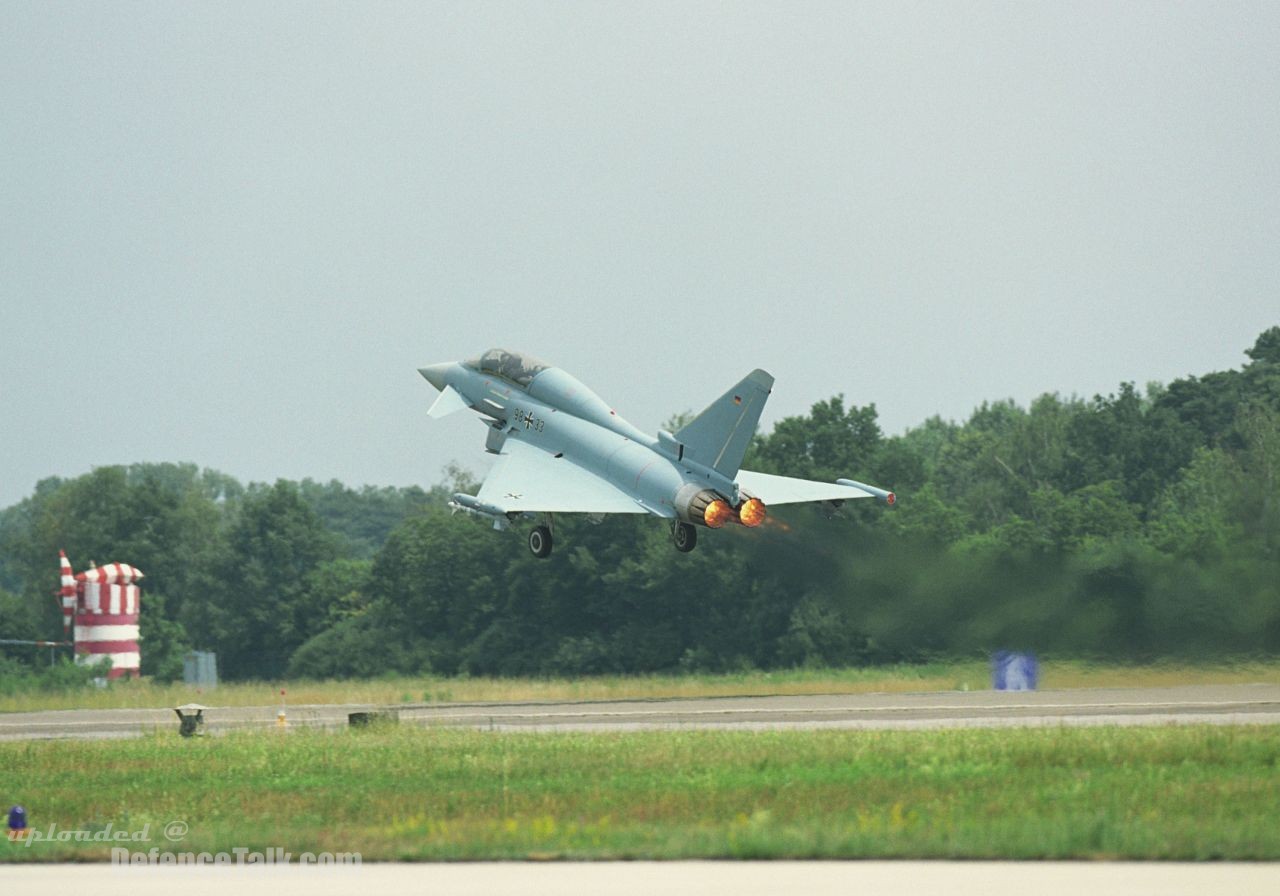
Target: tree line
(1137, 525)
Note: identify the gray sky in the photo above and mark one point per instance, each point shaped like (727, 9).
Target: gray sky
(231, 232)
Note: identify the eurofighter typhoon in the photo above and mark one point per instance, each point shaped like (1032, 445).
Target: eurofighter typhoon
(561, 449)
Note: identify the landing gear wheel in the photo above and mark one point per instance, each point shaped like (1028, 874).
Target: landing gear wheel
(540, 542)
(685, 537)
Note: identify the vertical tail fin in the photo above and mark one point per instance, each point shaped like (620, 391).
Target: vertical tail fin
(718, 437)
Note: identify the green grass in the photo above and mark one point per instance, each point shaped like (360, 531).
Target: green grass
(403, 792)
(941, 676)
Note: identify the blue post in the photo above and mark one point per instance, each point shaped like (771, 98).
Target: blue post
(17, 822)
(1014, 671)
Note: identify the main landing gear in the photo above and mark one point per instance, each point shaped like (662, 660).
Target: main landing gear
(540, 542)
(685, 537)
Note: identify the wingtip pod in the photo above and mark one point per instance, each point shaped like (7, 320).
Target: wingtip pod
(473, 506)
(471, 502)
(881, 495)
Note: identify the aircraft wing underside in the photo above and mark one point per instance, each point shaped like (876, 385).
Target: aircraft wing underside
(526, 479)
(784, 490)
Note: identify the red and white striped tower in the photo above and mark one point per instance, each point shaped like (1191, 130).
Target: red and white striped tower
(107, 618)
(68, 594)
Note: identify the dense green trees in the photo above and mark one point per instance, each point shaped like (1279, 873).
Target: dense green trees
(1140, 524)
(254, 598)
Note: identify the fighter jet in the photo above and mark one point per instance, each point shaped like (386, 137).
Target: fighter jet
(562, 449)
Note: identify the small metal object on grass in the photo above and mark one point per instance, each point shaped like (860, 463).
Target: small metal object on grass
(373, 717)
(190, 719)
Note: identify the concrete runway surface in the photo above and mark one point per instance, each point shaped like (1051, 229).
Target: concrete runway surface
(649, 878)
(1213, 704)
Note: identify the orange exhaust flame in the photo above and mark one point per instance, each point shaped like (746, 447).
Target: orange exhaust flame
(717, 514)
(773, 522)
(751, 512)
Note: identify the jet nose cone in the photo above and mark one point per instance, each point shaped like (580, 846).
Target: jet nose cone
(435, 374)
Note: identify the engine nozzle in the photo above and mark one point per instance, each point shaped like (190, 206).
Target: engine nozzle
(751, 512)
(703, 507)
(718, 513)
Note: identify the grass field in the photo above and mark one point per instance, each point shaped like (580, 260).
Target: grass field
(411, 793)
(965, 675)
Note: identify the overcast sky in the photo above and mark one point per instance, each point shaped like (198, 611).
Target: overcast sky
(230, 233)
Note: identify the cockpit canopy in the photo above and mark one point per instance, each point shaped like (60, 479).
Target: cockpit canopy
(520, 369)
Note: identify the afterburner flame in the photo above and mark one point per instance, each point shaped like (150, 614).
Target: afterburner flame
(717, 514)
(751, 512)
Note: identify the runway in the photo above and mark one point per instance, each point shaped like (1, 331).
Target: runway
(1198, 704)
(646, 878)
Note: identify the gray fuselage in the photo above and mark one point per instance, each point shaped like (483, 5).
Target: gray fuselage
(557, 414)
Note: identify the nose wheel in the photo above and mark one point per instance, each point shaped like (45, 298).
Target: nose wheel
(685, 537)
(540, 542)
